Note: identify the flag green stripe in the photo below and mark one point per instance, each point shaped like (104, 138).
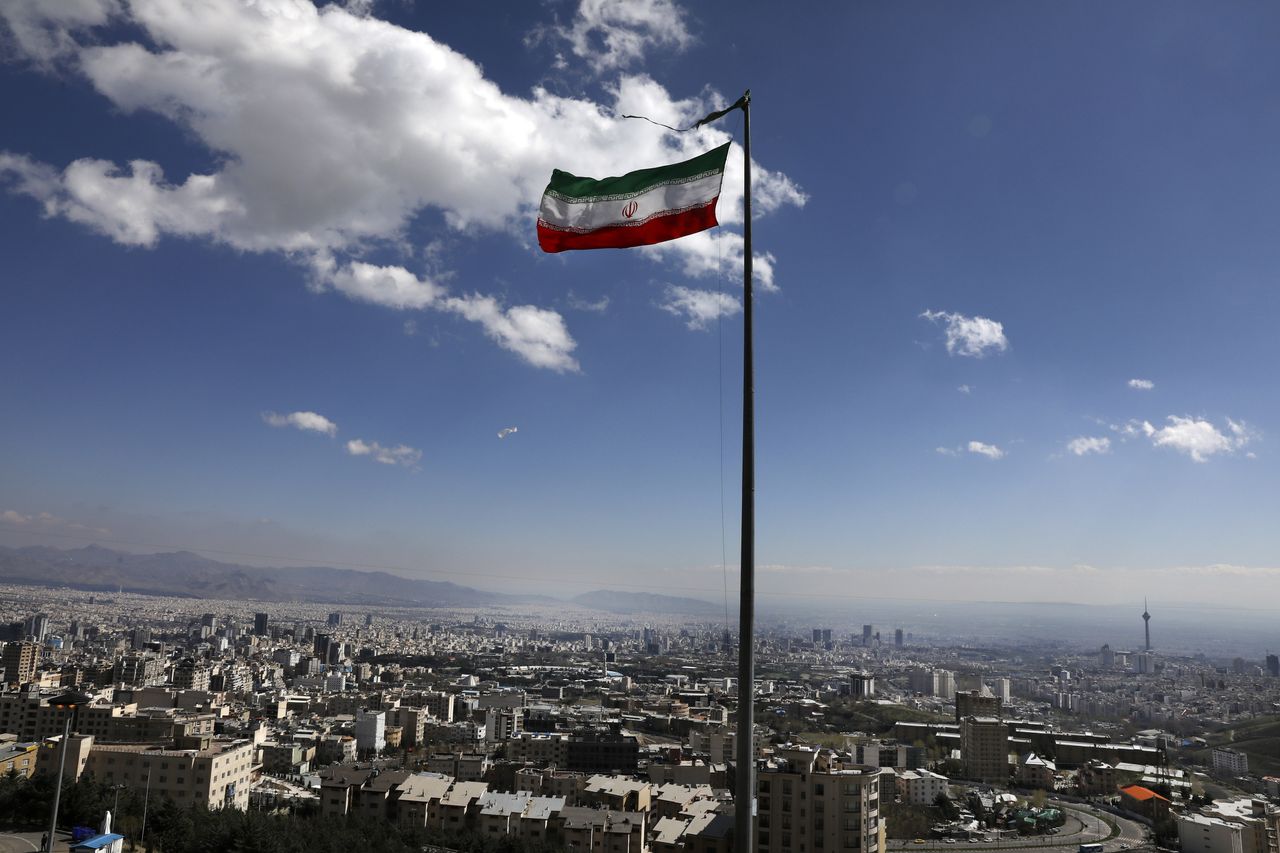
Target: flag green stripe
(572, 187)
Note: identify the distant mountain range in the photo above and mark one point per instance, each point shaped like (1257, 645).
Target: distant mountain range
(189, 575)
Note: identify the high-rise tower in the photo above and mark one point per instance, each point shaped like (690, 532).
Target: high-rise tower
(1146, 623)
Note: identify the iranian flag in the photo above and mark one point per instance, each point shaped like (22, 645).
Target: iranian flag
(636, 209)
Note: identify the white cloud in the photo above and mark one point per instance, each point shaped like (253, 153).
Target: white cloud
(988, 450)
(598, 306)
(1127, 430)
(971, 336)
(946, 451)
(965, 389)
(612, 34)
(46, 32)
(537, 335)
(1198, 438)
(699, 307)
(1084, 445)
(309, 421)
(1142, 384)
(390, 286)
(400, 454)
(330, 131)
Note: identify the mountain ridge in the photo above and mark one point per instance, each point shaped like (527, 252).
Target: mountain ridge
(186, 574)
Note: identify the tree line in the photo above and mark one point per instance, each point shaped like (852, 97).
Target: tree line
(25, 805)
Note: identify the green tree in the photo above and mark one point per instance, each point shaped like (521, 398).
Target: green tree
(946, 807)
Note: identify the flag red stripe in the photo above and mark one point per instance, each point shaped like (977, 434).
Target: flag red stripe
(657, 230)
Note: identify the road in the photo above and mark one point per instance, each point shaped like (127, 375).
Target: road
(26, 842)
(29, 842)
(1083, 826)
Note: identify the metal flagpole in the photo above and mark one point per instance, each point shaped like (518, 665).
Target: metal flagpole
(745, 785)
(745, 794)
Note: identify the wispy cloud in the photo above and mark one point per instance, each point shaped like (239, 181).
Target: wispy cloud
(47, 521)
(306, 421)
(965, 389)
(400, 454)
(783, 569)
(596, 306)
(970, 336)
(614, 34)
(1142, 384)
(698, 308)
(1084, 445)
(988, 450)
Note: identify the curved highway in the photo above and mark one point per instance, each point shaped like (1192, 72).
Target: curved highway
(1083, 825)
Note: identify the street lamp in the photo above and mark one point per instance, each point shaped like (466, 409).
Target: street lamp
(67, 703)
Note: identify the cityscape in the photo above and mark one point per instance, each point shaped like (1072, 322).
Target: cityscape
(574, 727)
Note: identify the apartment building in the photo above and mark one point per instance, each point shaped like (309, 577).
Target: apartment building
(218, 776)
(817, 800)
(984, 749)
(920, 787)
(20, 660)
(1200, 834)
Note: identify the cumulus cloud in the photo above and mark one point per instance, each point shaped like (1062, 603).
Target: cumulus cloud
(988, 450)
(699, 307)
(964, 389)
(971, 336)
(537, 335)
(330, 130)
(400, 454)
(1084, 445)
(1198, 438)
(613, 34)
(1142, 384)
(308, 421)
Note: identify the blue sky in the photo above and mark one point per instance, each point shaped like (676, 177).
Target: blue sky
(981, 220)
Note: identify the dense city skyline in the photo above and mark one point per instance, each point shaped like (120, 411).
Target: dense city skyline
(1014, 334)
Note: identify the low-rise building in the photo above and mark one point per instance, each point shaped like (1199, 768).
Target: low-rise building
(1036, 772)
(602, 830)
(921, 787)
(1145, 802)
(18, 759)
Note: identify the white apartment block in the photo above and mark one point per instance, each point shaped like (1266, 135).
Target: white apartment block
(1229, 762)
(371, 731)
(1200, 834)
(920, 787)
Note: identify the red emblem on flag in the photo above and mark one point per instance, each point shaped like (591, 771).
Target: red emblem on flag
(630, 210)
